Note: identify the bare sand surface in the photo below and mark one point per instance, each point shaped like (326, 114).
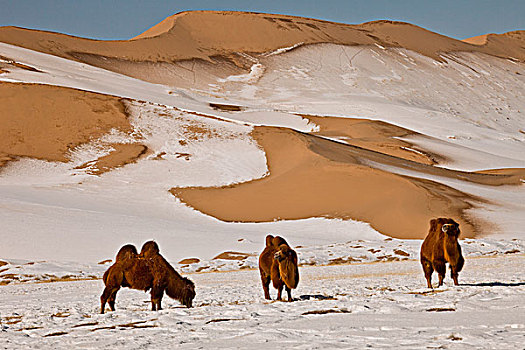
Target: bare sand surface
(46, 122)
(308, 180)
(310, 176)
(516, 173)
(374, 135)
(232, 256)
(207, 35)
(121, 155)
(339, 152)
(513, 43)
(477, 40)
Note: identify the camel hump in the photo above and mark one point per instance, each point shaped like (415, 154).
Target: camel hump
(269, 240)
(278, 241)
(149, 249)
(443, 221)
(126, 252)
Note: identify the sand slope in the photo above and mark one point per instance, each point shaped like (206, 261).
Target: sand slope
(46, 122)
(371, 134)
(312, 177)
(205, 34)
(512, 42)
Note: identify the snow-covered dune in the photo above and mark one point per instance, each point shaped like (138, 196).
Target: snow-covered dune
(465, 111)
(344, 139)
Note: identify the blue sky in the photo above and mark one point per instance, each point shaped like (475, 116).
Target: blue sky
(124, 19)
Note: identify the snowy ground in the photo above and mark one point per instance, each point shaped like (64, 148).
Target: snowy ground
(377, 305)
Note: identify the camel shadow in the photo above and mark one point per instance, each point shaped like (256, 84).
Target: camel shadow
(316, 297)
(494, 284)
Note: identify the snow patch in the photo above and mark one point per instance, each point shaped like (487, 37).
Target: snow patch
(256, 72)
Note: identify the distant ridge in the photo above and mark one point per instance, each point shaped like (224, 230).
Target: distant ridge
(205, 34)
(513, 43)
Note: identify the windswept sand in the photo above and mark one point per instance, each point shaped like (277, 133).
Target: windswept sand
(374, 135)
(121, 155)
(477, 40)
(307, 180)
(46, 122)
(207, 35)
(309, 176)
(513, 43)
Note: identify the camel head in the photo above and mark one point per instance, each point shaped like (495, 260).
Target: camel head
(284, 252)
(451, 230)
(189, 292)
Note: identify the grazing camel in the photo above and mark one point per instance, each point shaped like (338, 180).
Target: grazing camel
(146, 271)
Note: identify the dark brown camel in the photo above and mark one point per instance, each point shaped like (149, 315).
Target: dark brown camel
(148, 270)
(278, 264)
(440, 247)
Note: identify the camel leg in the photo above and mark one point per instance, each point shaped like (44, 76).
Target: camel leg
(441, 269)
(289, 291)
(112, 298)
(156, 297)
(153, 304)
(106, 294)
(279, 292)
(428, 269)
(159, 301)
(103, 300)
(265, 279)
(454, 270)
(454, 275)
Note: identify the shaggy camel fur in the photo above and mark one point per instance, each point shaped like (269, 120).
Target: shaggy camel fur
(278, 263)
(149, 249)
(440, 247)
(126, 252)
(146, 271)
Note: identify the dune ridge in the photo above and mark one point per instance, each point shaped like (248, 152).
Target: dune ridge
(206, 34)
(513, 43)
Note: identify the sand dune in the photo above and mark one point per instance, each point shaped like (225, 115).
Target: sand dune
(316, 177)
(372, 134)
(477, 40)
(309, 175)
(513, 43)
(46, 122)
(208, 34)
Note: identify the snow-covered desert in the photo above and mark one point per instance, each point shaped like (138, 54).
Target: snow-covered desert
(212, 130)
